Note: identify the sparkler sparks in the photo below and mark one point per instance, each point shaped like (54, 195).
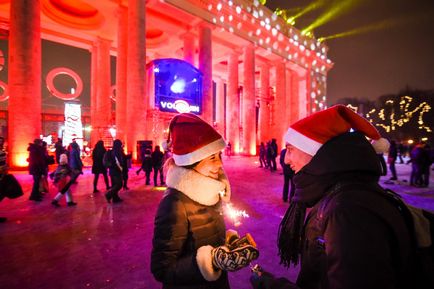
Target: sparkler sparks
(235, 214)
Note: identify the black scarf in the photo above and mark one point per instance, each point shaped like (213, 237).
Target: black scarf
(309, 190)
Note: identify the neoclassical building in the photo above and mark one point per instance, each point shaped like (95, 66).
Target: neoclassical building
(246, 70)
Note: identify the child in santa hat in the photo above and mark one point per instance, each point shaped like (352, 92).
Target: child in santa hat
(189, 249)
(354, 235)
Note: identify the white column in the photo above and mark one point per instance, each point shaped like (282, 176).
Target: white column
(249, 102)
(136, 77)
(220, 106)
(233, 104)
(264, 105)
(205, 66)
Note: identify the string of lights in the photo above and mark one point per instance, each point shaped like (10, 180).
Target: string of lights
(390, 118)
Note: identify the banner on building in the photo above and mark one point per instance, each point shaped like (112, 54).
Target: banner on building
(73, 125)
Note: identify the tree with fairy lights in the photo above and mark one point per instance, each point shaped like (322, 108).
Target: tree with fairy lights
(405, 116)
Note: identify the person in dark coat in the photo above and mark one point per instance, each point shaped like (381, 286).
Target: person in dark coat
(269, 155)
(188, 246)
(61, 176)
(274, 152)
(391, 159)
(417, 162)
(75, 161)
(288, 173)
(146, 165)
(353, 236)
(98, 166)
(262, 156)
(59, 149)
(116, 157)
(157, 164)
(125, 169)
(425, 165)
(37, 167)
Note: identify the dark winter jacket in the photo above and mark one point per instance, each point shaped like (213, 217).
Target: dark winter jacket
(157, 159)
(353, 236)
(115, 168)
(185, 224)
(74, 158)
(147, 161)
(116, 157)
(62, 171)
(37, 160)
(274, 148)
(97, 157)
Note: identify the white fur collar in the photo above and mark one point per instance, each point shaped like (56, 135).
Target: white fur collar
(204, 190)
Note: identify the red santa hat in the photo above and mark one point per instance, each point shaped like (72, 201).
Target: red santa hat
(310, 133)
(191, 139)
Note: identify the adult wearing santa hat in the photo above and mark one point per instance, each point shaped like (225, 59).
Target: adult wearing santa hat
(189, 247)
(354, 236)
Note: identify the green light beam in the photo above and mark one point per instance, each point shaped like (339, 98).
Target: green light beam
(336, 10)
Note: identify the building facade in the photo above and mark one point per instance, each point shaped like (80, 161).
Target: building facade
(258, 73)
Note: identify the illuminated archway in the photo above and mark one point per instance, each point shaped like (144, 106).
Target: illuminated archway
(66, 71)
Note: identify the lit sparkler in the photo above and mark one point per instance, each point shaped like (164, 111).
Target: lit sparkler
(235, 214)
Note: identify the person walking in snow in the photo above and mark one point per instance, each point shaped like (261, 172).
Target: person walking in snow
(61, 177)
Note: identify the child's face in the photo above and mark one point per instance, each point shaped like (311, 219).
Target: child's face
(210, 166)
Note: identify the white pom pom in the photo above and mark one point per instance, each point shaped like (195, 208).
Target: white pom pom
(381, 145)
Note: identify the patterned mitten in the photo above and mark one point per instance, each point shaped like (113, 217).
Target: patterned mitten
(233, 260)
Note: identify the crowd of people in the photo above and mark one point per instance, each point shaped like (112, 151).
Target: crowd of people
(419, 155)
(267, 155)
(113, 163)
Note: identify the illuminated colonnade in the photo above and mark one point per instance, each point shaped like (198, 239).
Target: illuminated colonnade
(290, 83)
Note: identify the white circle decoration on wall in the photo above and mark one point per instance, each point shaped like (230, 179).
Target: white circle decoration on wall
(66, 71)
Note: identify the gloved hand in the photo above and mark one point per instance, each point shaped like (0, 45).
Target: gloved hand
(233, 260)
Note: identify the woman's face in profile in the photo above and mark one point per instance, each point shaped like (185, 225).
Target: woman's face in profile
(210, 166)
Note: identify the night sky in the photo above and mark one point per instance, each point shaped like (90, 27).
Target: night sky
(397, 51)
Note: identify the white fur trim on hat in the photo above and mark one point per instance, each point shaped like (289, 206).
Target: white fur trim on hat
(204, 262)
(199, 154)
(302, 142)
(381, 145)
